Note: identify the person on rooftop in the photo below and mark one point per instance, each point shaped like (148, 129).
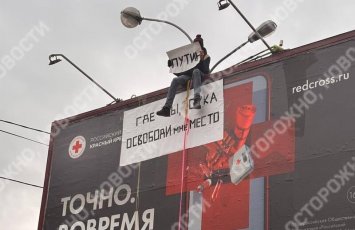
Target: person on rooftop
(196, 75)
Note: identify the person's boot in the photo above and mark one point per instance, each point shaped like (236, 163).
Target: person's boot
(196, 104)
(165, 112)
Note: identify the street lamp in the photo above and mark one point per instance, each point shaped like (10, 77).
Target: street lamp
(223, 4)
(55, 58)
(131, 17)
(265, 29)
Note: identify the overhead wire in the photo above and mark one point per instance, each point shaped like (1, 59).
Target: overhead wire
(21, 182)
(22, 137)
(24, 126)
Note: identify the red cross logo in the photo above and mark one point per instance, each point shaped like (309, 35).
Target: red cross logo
(77, 147)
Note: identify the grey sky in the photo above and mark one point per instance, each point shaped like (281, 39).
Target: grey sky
(91, 35)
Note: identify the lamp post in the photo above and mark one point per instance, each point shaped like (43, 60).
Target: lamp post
(54, 58)
(131, 17)
(263, 30)
(223, 4)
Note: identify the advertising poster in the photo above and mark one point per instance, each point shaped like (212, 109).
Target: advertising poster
(272, 148)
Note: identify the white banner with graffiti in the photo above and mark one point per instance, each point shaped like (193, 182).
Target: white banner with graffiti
(184, 58)
(146, 136)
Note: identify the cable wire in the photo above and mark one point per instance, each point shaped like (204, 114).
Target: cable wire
(23, 126)
(251, 57)
(23, 137)
(21, 182)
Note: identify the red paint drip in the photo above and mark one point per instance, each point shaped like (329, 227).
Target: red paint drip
(186, 133)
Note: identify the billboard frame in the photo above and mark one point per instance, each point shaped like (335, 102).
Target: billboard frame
(150, 97)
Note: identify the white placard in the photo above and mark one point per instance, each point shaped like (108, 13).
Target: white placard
(146, 136)
(184, 58)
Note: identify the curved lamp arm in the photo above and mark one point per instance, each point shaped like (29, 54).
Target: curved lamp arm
(229, 54)
(131, 17)
(170, 23)
(250, 25)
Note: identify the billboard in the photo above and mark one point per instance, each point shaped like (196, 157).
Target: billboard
(273, 147)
